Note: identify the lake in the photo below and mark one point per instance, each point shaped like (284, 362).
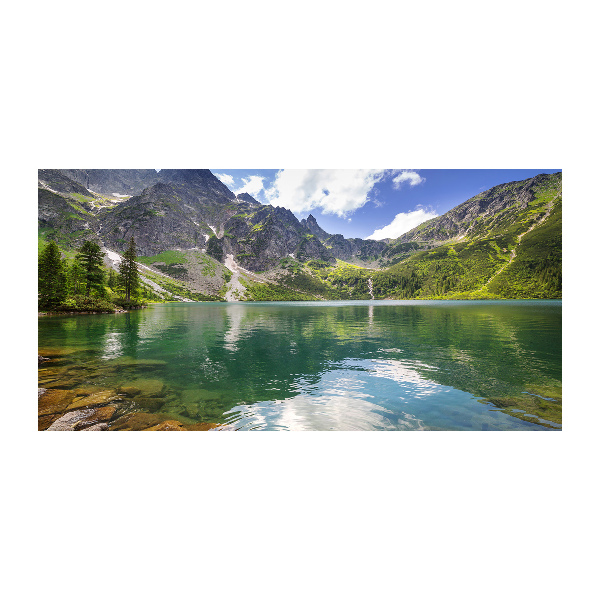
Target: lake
(352, 365)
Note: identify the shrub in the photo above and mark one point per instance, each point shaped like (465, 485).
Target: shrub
(86, 304)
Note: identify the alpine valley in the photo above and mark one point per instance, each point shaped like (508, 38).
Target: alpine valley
(197, 240)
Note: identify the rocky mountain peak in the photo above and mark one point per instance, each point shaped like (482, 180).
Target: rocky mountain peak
(199, 182)
(245, 197)
(311, 224)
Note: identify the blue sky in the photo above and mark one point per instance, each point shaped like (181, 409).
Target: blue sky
(367, 203)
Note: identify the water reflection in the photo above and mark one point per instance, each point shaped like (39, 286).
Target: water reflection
(362, 365)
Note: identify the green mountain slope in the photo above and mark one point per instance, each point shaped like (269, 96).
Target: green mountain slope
(506, 244)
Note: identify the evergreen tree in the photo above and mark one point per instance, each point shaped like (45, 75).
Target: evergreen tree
(52, 284)
(75, 278)
(130, 277)
(90, 256)
(113, 280)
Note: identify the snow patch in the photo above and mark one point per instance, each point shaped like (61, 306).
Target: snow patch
(206, 237)
(213, 229)
(113, 257)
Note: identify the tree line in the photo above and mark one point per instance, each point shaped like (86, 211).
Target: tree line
(83, 283)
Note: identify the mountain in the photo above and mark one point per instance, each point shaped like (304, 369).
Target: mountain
(125, 182)
(494, 210)
(505, 242)
(197, 239)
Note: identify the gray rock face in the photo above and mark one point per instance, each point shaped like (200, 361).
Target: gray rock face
(170, 215)
(244, 197)
(259, 240)
(311, 224)
(71, 225)
(57, 181)
(113, 181)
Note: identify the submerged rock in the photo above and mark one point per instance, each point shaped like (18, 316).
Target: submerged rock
(201, 426)
(167, 426)
(96, 399)
(97, 417)
(150, 404)
(54, 401)
(137, 421)
(148, 387)
(46, 420)
(88, 390)
(97, 427)
(129, 390)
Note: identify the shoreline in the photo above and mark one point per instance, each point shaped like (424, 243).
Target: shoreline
(51, 313)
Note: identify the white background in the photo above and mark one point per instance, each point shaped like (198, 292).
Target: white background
(300, 85)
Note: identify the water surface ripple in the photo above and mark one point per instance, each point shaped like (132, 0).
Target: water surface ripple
(364, 365)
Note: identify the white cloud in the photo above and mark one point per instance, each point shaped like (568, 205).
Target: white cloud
(337, 192)
(253, 185)
(226, 179)
(402, 223)
(412, 177)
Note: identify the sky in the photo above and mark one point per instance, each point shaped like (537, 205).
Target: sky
(368, 203)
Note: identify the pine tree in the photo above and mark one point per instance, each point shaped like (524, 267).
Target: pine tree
(90, 256)
(130, 277)
(52, 284)
(75, 278)
(113, 280)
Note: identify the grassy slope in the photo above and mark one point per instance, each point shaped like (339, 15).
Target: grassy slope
(463, 269)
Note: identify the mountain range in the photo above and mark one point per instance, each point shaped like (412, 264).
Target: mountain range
(198, 240)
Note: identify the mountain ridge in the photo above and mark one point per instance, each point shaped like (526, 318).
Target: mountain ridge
(192, 212)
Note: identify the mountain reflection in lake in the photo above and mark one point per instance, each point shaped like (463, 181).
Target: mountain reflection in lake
(364, 365)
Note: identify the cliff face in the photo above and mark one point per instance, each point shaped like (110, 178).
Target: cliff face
(168, 216)
(259, 240)
(113, 181)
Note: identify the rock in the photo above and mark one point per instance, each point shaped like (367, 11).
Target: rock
(201, 426)
(88, 390)
(98, 415)
(54, 401)
(96, 399)
(129, 390)
(195, 395)
(46, 420)
(193, 410)
(151, 404)
(136, 421)
(68, 421)
(97, 427)
(167, 426)
(149, 387)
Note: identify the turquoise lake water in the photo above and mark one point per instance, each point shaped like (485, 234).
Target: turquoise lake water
(363, 365)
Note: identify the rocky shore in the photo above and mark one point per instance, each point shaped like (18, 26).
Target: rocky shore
(69, 400)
